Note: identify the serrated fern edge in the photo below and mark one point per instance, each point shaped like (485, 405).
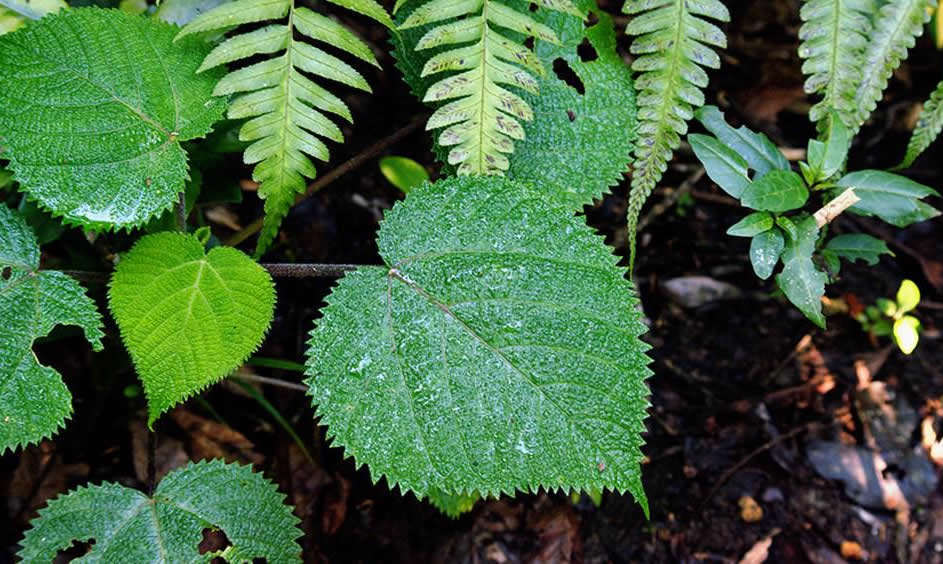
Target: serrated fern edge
(670, 85)
(927, 129)
(898, 25)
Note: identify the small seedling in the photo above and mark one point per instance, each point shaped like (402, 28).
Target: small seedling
(890, 317)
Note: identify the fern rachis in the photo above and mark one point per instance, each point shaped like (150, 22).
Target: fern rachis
(286, 108)
(672, 44)
(480, 116)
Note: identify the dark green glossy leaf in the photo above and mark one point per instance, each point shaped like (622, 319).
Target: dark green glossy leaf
(765, 249)
(725, 167)
(891, 197)
(759, 152)
(752, 225)
(778, 191)
(800, 280)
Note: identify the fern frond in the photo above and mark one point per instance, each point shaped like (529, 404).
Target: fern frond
(899, 24)
(928, 127)
(287, 108)
(673, 41)
(834, 35)
(481, 120)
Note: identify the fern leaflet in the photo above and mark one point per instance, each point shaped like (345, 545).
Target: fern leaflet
(898, 25)
(672, 41)
(927, 129)
(481, 121)
(287, 108)
(834, 35)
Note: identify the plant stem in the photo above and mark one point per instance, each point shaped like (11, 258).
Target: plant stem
(271, 382)
(180, 211)
(277, 270)
(834, 208)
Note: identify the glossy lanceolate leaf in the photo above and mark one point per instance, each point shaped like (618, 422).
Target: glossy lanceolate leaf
(857, 246)
(583, 131)
(891, 197)
(755, 148)
(34, 401)
(778, 191)
(93, 108)
(723, 165)
(188, 317)
(765, 249)
(801, 281)
(497, 349)
(125, 525)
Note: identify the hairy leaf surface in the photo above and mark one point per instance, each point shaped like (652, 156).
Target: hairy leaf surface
(673, 40)
(93, 108)
(497, 349)
(578, 144)
(188, 317)
(288, 110)
(34, 401)
(128, 526)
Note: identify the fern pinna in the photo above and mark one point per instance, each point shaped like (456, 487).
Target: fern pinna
(672, 42)
(481, 121)
(287, 108)
(851, 48)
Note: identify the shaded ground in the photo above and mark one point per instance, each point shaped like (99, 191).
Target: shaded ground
(764, 433)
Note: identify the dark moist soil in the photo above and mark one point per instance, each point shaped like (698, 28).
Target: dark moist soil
(756, 413)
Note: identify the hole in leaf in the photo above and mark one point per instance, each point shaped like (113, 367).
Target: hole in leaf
(6, 273)
(214, 540)
(586, 51)
(77, 549)
(259, 561)
(563, 71)
(529, 43)
(591, 20)
(532, 7)
(571, 115)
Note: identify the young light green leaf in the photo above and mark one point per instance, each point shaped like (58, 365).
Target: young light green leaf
(187, 317)
(815, 154)
(406, 174)
(578, 143)
(893, 198)
(724, 166)
(125, 525)
(908, 296)
(857, 246)
(492, 354)
(928, 127)
(800, 280)
(453, 505)
(759, 152)
(34, 401)
(102, 150)
(907, 333)
(765, 250)
(752, 225)
(778, 191)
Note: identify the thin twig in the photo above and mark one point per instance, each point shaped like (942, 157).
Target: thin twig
(835, 207)
(277, 270)
(271, 381)
(736, 467)
(671, 199)
(354, 163)
(151, 461)
(291, 270)
(180, 211)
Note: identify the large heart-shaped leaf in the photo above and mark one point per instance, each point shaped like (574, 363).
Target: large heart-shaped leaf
(93, 108)
(496, 350)
(34, 401)
(187, 317)
(124, 525)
